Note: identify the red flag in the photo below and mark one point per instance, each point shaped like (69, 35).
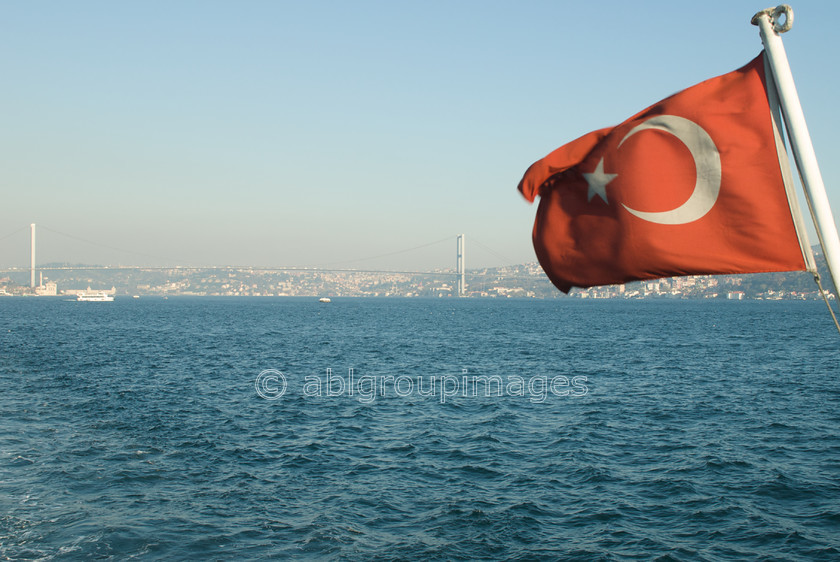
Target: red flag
(691, 185)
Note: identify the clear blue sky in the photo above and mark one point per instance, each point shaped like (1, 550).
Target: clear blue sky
(315, 133)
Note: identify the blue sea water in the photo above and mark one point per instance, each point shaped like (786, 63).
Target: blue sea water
(671, 430)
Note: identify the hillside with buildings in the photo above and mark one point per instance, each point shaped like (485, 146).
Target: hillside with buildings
(517, 281)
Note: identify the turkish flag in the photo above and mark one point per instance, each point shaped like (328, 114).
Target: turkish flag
(691, 185)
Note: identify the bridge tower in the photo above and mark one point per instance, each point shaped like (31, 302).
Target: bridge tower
(459, 266)
(32, 255)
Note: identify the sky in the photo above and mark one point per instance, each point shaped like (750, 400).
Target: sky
(339, 134)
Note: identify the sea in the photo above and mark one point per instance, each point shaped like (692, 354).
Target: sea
(242, 428)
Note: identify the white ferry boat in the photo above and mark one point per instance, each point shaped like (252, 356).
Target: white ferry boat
(97, 296)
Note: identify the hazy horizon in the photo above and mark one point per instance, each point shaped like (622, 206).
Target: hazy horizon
(267, 134)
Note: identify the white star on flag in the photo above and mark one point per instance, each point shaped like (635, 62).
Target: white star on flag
(598, 181)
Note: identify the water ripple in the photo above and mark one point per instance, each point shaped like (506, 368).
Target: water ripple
(135, 432)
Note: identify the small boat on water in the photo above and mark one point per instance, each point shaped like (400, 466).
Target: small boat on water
(95, 296)
(324, 299)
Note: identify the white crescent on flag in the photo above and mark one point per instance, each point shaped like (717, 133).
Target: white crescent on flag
(706, 161)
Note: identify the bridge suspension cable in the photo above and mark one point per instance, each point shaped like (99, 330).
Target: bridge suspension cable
(334, 266)
(388, 254)
(505, 260)
(21, 229)
(101, 245)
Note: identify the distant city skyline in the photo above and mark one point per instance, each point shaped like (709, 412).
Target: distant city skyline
(271, 133)
(520, 281)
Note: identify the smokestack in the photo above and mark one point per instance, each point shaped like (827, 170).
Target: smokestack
(32, 256)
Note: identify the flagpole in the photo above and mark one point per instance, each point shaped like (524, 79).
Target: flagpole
(770, 26)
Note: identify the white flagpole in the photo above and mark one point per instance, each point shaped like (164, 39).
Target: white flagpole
(769, 25)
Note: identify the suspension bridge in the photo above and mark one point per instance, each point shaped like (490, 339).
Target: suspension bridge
(458, 274)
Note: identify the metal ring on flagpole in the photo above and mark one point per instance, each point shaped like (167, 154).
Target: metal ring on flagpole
(774, 14)
(787, 11)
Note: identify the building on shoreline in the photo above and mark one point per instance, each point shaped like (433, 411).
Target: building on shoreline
(519, 281)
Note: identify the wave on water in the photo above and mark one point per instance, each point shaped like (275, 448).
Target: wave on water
(705, 431)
